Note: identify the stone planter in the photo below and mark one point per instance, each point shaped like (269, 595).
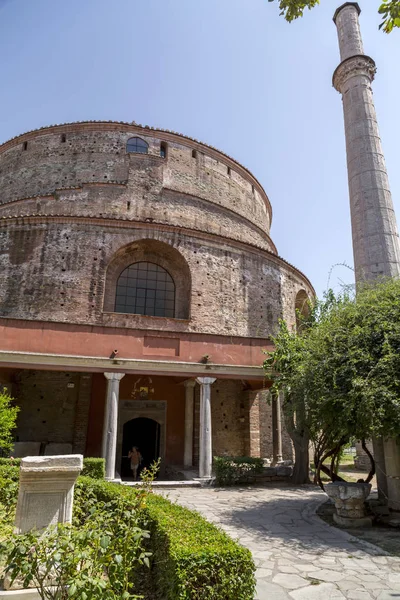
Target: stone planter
(349, 499)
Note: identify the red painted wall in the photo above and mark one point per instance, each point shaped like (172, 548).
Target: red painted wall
(84, 340)
(169, 389)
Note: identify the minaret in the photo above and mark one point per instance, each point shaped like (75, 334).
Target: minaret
(376, 246)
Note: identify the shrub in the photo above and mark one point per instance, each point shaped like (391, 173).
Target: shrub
(8, 417)
(94, 468)
(9, 476)
(231, 470)
(15, 462)
(191, 558)
(93, 560)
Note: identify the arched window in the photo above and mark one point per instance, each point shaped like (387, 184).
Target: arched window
(302, 309)
(145, 288)
(138, 145)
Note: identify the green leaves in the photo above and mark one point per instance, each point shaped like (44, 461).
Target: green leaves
(94, 559)
(343, 372)
(8, 417)
(389, 9)
(235, 470)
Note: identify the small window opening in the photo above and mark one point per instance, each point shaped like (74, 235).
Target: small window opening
(137, 145)
(63, 138)
(25, 146)
(229, 171)
(163, 150)
(194, 154)
(252, 189)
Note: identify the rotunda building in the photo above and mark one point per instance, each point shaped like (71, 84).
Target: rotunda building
(139, 286)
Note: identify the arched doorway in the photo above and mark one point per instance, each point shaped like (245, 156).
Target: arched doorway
(145, 434)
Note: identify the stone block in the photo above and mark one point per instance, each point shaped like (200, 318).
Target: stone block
(53, 449)
(284, 471)
(29, 594)
(270, 471)
(46, 491)
(22, 449)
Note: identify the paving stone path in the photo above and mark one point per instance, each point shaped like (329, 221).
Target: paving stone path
(298, 556)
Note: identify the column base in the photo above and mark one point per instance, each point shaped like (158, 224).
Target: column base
(204, 481)
(352, 523)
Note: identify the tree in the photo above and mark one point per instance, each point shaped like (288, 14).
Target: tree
(8, 417)
(342, 371)
(389, 9)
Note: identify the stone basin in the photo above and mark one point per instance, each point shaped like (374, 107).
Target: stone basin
(349, 499)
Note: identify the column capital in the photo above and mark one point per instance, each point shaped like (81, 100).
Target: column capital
(115, 376)
(355, 65)
(189, 383)
(354, 5)
(206, 380)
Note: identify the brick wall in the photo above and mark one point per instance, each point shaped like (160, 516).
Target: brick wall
(57, 272)
(48, 169)
(259, 427)
(48, 402)
(71, 207)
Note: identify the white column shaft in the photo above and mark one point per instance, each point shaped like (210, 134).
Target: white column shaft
(189, 403)
(205, 458)
(109, 442)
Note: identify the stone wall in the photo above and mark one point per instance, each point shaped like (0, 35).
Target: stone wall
(91, 173)
(57, 272)
(259, 427)
(48, 401)
(241, 422)
(70, 208)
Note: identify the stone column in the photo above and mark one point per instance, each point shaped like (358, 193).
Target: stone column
(376, 246)
(205, 458)
(109, 445)
(375, 237)
(189, 405)
(276, 430)
(392, 465)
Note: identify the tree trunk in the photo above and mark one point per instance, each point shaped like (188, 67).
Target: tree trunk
(299, 435)
(301, 469)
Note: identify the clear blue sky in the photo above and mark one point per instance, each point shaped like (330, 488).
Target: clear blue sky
(231, 73)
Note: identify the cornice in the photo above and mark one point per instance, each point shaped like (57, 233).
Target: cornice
(361, 64)
(125, 365)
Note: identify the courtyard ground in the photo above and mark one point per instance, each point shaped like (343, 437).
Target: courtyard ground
(298, 556)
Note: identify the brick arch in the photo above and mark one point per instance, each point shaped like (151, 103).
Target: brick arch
(160, 253)
(301, 306)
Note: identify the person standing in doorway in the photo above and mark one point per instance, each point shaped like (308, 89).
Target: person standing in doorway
(135, 458)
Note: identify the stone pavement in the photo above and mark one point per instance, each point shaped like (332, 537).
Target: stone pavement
(298, 556)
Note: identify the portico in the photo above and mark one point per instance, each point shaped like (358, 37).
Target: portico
(182, 412)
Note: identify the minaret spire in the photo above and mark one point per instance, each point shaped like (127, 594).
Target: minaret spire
(376, 246)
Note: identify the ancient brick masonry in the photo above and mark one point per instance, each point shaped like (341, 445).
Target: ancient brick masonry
(68, 207)
(76, 209)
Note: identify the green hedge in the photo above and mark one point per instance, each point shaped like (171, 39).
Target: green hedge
(92, 467)
(191, 558)
(233, 470)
